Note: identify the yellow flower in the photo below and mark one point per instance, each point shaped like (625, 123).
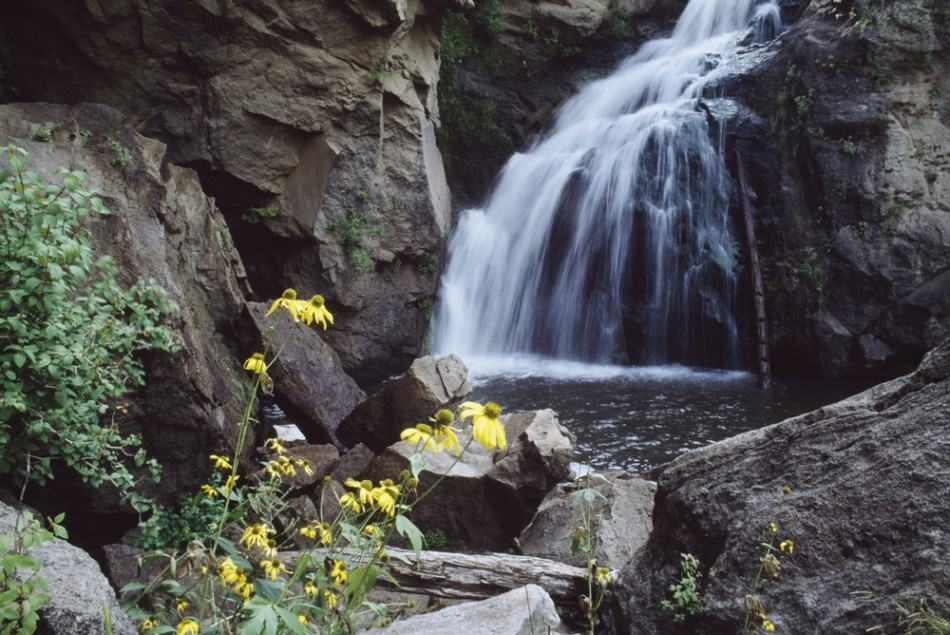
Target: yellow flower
(181, 605)
(602, 576)
(486, 428)
(244, 588)
(787, 546)
(338, 572)
(310, 588)
(209, 491)
(348, 500)
(230, 482)
(385, 496)
(315, 311)
(786, 489)
(773, 526)
(187, 627)
(275, 446)
(443, 431)
(256, 535)
(228, 571)
(220, 462)
(365, 489)
(331, 599)
(303, 619)
(283, 466)
(287, 300)
(255, 363)
(315, 529)
(273, 568)
(149, 624)
(767, 625)
(370, 530)
(421, 435)
(309, 531)
(304, 464)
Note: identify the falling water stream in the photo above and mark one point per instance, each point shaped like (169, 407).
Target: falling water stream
(610, 243)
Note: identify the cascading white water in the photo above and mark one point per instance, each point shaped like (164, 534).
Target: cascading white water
(609, 240)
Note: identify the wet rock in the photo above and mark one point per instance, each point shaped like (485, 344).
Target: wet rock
(851, 172)
(487, 497)
(310, 384)
(867, 479)
(521, 611)
(76, 587)
(621, 520)
(163, 227)
(429, 384)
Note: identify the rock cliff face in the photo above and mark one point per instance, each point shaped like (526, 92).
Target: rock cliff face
(866, 510)
(847, 146)
(166, 228)
(311, 123)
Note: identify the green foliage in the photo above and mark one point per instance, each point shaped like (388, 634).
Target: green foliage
(257, 214)
(166, 528)
(44, 134)
(427, 265)
(379, 73)
(353, 227)
(814, 277)
(21, 599)
(849, 147)
(121, 157)
(435, 538)
(803, 104)
(930, 175)
(687, 600)
(916, 618)
(70, 335)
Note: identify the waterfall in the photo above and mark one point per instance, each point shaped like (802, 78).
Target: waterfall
(609, 240)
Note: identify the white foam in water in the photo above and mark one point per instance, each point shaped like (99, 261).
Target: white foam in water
(628, 188)
(483, 368)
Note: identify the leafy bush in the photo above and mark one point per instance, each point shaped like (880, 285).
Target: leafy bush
(69, 334)
(21, 595)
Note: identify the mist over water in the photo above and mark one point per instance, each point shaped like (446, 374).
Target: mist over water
(609, 241)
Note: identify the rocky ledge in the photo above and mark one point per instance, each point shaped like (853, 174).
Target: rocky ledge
(866, 508)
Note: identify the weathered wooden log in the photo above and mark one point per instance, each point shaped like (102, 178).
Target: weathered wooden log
(464, 576)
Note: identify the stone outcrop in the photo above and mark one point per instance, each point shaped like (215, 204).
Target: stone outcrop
(430, 383)
(521, 611)
(620, 520)
(846, 146)
(77, 589)
(868, 478)
(163, 227)
(309, 382)
(311, 123)
(486, 497)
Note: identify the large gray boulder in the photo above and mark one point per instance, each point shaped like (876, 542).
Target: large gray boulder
(430, 383)
(621, 520)
(528, 610)
(487, 497)
(867, 508)
(309, 381)
(78, 591)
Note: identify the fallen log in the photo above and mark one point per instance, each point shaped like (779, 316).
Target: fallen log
(464, 576)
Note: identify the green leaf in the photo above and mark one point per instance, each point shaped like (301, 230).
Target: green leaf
(19, 359)
(407, 528)
(417, 463)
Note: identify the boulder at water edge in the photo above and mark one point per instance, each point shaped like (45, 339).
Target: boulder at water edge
(621, 520)
(867, 510)
(429, 384)
(487, 497)
(524, 611)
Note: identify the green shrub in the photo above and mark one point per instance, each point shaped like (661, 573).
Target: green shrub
(69, 332)
(22, 595)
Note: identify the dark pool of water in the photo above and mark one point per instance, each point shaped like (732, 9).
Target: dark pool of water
(638, 418)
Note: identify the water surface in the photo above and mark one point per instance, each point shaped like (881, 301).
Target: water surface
(636, 418)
